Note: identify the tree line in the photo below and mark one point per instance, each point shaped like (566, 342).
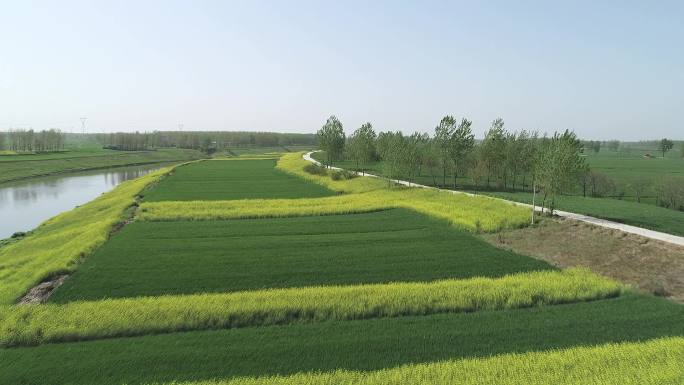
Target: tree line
(32, 141)
(207, 141)
(520, 160)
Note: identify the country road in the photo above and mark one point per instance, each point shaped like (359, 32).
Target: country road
(674, 239)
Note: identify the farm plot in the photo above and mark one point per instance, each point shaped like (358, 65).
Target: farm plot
(239, 179)
(310, 297)
(352, 345)
(156, 258)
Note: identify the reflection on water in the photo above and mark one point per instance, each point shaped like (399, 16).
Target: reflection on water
(26, 204)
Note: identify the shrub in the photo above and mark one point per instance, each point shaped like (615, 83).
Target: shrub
(342, 175)
(315, 169)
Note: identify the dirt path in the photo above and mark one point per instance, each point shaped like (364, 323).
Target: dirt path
(656, 235)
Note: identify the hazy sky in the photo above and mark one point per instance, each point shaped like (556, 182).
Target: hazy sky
(607, 69)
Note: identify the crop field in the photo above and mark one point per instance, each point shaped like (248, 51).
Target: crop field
(157, 258)
(242, 179)
(257, 272)
(352, 345)
(632, 213)
(14, 167)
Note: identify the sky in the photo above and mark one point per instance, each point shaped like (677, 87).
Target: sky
(605, 69)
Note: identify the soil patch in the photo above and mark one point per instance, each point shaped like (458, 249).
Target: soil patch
(650, 265)
(41, 292)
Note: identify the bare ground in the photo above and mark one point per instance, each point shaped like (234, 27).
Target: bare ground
(650, 265)
(41, 292)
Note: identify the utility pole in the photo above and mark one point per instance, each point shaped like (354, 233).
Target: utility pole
(534, 193)
(83, 122)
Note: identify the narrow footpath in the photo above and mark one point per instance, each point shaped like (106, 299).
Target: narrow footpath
(657, 235)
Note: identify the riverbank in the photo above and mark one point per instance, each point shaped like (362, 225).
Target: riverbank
(32, 201)
(19, 169)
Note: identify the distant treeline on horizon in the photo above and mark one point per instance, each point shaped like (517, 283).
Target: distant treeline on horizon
(55, 140)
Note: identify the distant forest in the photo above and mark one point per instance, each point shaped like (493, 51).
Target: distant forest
(22, 140)
(207, 141)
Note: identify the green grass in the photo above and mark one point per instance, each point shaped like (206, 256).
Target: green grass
(641, 215)
(32, 325)
(657, 361)
(352, 345)
(25, 166)
(624, 211)
(470, 213)
(233, 179)
(72, 152)
(294, 164)
(57, 245)
(155, 258)
(625, 167)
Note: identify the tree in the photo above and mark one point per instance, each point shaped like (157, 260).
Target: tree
(361, 145)
(461, 143)
(411, 157)
(331, 139)
(640, 186)
(558, 164)
(424, 148)
(528, 154)
(601, 184)
(493, 149)
(431, 158)
(391, 148)
(443, 136)
(671, 193)
(613, 145)
(665, 145)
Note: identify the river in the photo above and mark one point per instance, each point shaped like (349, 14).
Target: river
(25, 204)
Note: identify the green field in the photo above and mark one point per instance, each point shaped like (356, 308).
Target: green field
(239, 179)
(14, 167)
(359, 345)
(286, 295)
(156, 258)
(623, 167)
(641, 215)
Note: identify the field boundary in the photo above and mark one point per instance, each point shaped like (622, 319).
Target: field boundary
(125, 317)
(657, 235)
(656, 361)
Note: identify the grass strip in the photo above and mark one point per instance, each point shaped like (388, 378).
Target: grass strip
(656, 361)
(361, 345)
(57, 244)
(471, 213)
(32, 325)
(294, 164)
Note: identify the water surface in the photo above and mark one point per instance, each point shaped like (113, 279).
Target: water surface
(26, 204)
